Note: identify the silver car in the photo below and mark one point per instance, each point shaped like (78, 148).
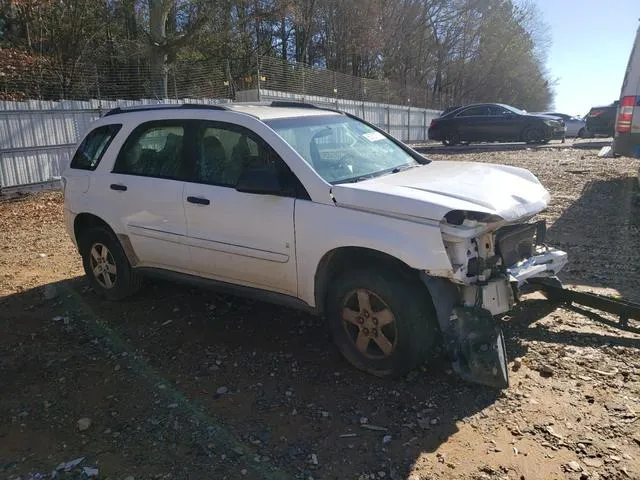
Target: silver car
(576, 127)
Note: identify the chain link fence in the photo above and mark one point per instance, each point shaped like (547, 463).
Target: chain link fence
(44, 110)
(135, 79)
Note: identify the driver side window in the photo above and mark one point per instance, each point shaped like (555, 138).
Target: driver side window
(498, 111)
(225, 151)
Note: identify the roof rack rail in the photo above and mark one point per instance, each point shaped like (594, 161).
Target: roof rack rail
(294, 104)
(163, 106)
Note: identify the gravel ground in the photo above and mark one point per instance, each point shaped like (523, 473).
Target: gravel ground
(180, 383)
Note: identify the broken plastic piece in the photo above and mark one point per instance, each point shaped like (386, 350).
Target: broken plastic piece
(481, 354)
(70, 465)
(547, 263)
(90, 471)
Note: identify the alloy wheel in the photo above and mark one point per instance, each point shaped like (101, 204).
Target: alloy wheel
(103, 266)
(370, 324)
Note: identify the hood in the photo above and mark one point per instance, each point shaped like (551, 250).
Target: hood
(433, 190)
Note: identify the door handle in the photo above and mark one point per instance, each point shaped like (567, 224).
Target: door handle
(198, 200)
(119, 187)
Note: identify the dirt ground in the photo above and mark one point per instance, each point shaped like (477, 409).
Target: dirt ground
(179, 383)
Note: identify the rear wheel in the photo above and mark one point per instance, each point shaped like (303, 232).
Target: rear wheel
(106, 265)
(451, 138)
(382, 322)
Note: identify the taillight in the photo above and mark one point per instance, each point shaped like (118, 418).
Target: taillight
(433, 123)
(595, 113)
(625, 114)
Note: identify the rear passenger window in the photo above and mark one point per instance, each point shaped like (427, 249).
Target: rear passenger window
(154, 151)
(90, 151)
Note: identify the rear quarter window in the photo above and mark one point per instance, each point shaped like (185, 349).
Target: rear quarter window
(93, 147)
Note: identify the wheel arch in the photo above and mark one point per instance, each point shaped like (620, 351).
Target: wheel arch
(85, 221)
(341, 259)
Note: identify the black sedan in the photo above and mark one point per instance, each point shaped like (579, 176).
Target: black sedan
(494, 122)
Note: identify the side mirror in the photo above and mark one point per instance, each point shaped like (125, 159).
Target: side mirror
(262, 181)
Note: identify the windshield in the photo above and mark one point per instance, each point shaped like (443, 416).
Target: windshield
(341, 149)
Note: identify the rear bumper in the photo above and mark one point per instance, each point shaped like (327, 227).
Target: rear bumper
(69, 219)
(627, 144)
(434, 134)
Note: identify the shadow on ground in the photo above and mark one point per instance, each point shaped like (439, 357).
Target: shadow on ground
(601, 233)
(201, 385)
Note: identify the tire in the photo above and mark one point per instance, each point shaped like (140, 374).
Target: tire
(533, 135)
(106, 265)
(451, 138)
(582, 133)
(403, 342)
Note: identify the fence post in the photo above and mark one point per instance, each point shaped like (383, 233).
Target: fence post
(95, 66)
(258, 72)
(304, 89)
(175, 85)
(388, 119)
(409, 122)
(424, 130)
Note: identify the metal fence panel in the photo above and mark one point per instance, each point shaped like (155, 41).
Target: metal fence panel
(37, 138)
(404, 122)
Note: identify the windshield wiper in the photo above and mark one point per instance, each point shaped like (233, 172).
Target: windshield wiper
(403, 168)
(376, 174)
(356, 179)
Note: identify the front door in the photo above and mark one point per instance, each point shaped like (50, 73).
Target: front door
(505, 124)
(241, 238)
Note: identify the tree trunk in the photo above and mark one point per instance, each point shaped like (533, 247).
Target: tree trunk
(157, 26)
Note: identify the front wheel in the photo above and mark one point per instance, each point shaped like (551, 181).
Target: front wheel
(533, 135)
(451, 138)
(106, 265)
(382, 322)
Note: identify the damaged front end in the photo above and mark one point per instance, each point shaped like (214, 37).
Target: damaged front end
(491, 259)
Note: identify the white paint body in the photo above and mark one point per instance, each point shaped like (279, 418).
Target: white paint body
(277, 243)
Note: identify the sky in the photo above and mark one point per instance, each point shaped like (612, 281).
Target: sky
(591, 43)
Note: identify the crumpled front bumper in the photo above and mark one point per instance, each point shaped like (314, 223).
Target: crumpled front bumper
(467, 313)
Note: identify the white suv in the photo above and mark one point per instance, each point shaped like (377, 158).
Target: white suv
(318, 210)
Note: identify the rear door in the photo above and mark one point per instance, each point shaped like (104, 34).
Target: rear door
(237, 237)
(145, 191)
(474, 124)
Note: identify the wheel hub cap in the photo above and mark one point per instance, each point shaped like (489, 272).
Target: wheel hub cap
(369, 323)
(103, 265)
